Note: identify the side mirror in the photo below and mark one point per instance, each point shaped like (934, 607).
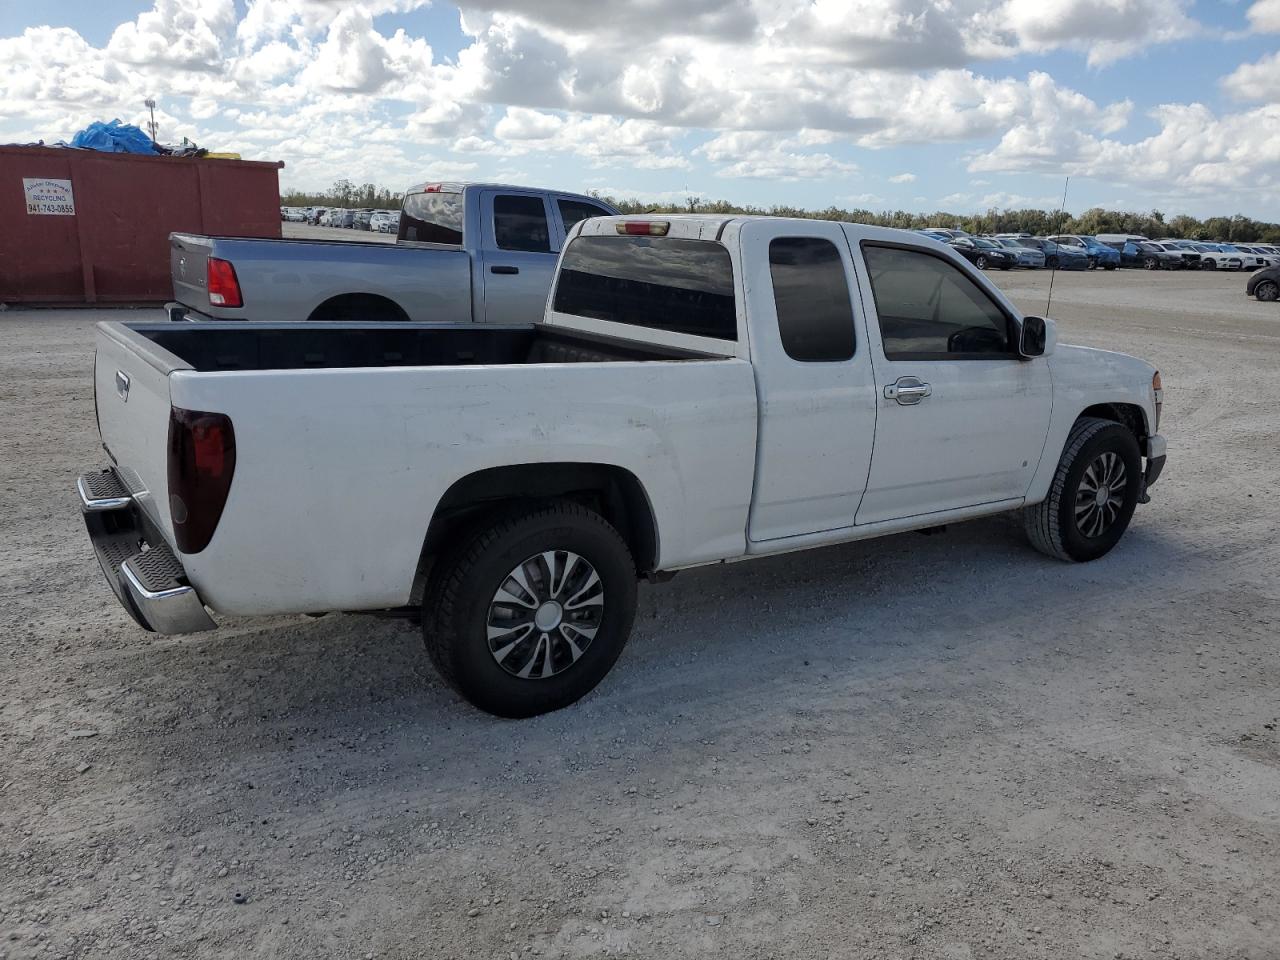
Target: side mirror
(1037, 339)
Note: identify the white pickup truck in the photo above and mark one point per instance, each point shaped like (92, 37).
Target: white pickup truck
(701, 389)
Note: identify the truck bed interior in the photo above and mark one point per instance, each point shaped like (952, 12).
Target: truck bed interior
(298, 346)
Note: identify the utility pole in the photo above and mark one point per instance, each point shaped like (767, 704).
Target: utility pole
(151, 105)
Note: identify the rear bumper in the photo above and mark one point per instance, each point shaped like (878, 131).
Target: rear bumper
(179, 312)
(144, 574)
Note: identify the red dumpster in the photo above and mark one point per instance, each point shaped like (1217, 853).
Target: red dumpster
(89, 227)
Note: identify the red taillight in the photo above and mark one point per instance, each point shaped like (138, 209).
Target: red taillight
(224, 288)
(202, 459)
(644, 228)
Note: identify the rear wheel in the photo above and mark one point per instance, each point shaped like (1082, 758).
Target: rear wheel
(530, 614)
(1267, 291)
(1208, 263)
(1093, 494)
(1151, 263)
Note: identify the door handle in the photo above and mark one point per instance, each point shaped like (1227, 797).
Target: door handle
(504, 270)
(907, 390)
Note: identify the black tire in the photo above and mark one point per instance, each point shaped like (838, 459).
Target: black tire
(1110, 266)
(1052, 526)
(1208, 264)
(1151, 263)
(980, 262)
(457, 605)
(1093, 263)
(1267, 291)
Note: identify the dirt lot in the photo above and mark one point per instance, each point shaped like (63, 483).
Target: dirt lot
(306, 231)
(920, 747)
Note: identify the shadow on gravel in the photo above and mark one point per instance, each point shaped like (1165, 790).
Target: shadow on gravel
(352, 693)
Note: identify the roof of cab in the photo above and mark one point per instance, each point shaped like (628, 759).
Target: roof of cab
(457, 186)
(709, 226)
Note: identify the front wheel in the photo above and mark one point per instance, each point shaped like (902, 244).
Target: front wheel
(1093, 494)
(981, 262)
(1267, 291)
(532, 611)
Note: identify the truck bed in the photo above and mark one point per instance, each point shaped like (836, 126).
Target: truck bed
(298, 346)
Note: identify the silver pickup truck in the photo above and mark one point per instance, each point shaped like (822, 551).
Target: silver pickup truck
(464, 252)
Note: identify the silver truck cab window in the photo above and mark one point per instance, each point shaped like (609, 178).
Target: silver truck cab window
(520, 223)
(432, 218)
(574, 211)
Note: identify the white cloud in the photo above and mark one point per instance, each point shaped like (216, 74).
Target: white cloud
(188, 34)
(1255, 81)
(1265, 16)
(1105, 29)
(903, 178)
(865, 199)
(767, 156)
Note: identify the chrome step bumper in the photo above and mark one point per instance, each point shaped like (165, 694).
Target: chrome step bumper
(145, 575)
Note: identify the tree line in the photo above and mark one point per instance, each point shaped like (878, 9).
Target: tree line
(1093, 221)
(344, 193)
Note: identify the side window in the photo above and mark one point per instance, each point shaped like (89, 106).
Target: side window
(929, 310)
(573, 211)
(520, 223)
(815, 317)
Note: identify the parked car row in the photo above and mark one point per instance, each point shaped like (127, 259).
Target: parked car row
(1108, 251)
(377, 221)
(1169, 253)
(1008, 250)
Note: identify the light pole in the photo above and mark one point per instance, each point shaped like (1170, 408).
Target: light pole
(151, 105)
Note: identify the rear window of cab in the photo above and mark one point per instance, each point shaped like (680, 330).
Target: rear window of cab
(662, 283)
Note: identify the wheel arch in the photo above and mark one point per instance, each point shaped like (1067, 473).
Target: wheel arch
(612, 491)
(375, 306)
(1127, 414)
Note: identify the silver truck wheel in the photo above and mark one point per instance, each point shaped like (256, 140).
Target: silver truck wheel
(1093, 494)
(532, 610)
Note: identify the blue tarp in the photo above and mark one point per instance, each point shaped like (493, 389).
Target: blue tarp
(114, 137)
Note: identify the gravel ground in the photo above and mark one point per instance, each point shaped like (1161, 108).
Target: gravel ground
(918, 747)
(307, 231)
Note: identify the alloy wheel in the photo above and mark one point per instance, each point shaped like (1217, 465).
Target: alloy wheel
(544, 614)
(1100, 496)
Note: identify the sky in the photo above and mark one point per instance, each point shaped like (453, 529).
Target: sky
(919, 105)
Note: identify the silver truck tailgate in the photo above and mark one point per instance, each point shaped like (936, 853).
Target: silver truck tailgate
(131, 386)
(188, 265)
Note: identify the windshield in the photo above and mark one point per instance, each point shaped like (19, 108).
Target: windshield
(985, 244)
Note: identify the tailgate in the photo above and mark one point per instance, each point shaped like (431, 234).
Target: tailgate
(131, 388)
(188, 258)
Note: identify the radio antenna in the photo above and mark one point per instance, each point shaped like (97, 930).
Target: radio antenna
(1058, 258)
